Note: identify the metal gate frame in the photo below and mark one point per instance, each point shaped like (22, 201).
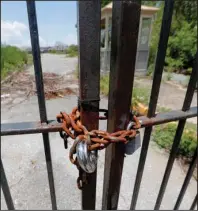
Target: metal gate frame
(125, 24)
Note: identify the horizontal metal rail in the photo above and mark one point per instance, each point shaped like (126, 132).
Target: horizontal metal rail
(19, 128)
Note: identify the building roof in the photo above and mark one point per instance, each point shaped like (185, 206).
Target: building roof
(143, 8)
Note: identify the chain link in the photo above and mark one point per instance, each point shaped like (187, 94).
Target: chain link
(95, 139)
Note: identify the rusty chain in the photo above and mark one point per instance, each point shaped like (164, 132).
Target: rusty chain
(95, 139)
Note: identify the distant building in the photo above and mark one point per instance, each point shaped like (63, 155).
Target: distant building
(47, 49)
(146, 19)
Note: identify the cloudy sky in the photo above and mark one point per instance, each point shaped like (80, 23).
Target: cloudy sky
(56, 22)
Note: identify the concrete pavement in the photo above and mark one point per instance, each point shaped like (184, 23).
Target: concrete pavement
(24, 162)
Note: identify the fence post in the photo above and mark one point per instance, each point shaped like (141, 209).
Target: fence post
(31, 9)
(125, 27)
(89, 64)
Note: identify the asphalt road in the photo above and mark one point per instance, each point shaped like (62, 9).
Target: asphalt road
(24, 161)
(56, 63)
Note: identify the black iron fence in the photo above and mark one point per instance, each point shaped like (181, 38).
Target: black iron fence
(125, 25)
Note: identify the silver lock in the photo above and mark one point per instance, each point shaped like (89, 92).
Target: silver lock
(86, 159)
(134, 143)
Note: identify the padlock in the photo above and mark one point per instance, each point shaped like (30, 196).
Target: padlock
(134, 143)
(86, 159)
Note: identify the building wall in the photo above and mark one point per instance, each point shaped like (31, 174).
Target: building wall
(143, 44)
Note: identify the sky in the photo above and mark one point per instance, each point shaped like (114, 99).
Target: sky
(56, 23)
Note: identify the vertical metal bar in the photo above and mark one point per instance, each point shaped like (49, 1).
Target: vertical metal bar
(40, 92)
(159, 64)
(89, 62)
(194, 203)
(179, 131)
(125, 27)
(6, 189)
(186, 181)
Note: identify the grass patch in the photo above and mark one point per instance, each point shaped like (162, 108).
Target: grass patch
(76, 72)
(140, 94)
(72, 54)
(30, 59)
(104, 85)
(13, 59)
(72, 51)
(163, 109)
(56, 52)
(164, 134)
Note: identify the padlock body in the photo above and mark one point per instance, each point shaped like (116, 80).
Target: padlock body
(133, 144)
(86, 159)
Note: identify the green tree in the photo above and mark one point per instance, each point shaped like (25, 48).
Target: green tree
(182, 40)
(105, 2)
(186, 10)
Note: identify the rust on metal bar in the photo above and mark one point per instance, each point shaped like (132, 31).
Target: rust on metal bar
(89, 64)
(19, 128)
(125, 26)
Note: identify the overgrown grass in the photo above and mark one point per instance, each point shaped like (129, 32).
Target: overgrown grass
(72, 51)
(164, 134)
(76, 72)
(72, 54)
(13, 59)
(104, 85)
(56, 52)
(140, 94)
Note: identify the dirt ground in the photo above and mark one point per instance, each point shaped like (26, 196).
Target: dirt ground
(171, 95)
(22, 85)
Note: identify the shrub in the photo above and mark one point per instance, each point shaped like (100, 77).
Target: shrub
(150, 69)
(12, 58)
(163, 135)
(182, 41)
(53, 51)
(72, 51)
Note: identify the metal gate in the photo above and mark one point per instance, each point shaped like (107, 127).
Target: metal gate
(125, 24)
